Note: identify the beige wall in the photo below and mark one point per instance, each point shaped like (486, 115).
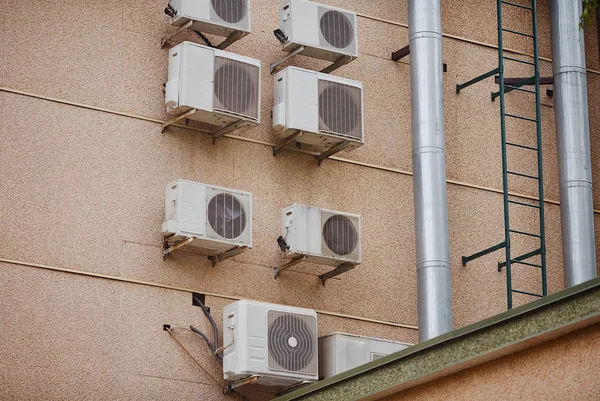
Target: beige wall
(563, 369)
(83, 189)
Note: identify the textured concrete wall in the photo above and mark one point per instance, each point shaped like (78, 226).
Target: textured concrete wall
(83, 189)
(563, 369)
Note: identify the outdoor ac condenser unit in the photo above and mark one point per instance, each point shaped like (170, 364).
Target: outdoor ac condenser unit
(326, 109)
(323, 236)
(218, 17)
(223, 87)
(276, 343)
(327, 33)
(217, 219)
(339, 352)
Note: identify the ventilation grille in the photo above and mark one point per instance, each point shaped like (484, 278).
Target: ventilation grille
(337, 29)
(236, 87)
(340, 235)
(230, 11)
(340, 109)
(292, 342)
(226, 216)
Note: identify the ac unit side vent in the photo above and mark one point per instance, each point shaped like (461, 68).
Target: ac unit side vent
(226, 216)
(292, 342)
(340, 235)
(336, 27)
(231, 11)
(340, 109)
(236, 87)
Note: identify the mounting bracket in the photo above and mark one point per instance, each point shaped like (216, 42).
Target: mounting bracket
(400, 54)
(177, 119)
(242, 382)
(337, 271)
(277, 271)
(332, 151)
(227, 254)
(231, 39)
(168, 248)
(286, 141)
(276, 64)
(343, 60)
(226, 130)
(216, 135)
(170, 36)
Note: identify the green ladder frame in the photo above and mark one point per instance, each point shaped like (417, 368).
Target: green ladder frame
(503, 89)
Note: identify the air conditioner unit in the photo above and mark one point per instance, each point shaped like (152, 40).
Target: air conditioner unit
(216, 219)
(340, 352)
(276, 343)
(223, 87)
(326, 109)
(322, 236)
(218, 17)
(327, 33)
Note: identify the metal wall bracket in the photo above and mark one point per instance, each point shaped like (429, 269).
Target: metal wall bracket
(332, 151)
(168, 248)
(230, 388)
(177, 119)
(400, 54)
(226, 130)
(231, 39)
(227, 254)
(340, 62)
(278, 270)
(286, 141)
(337, 271)
(164, 40)
(276, 64)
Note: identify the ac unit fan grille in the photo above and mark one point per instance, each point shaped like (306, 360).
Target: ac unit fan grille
(336, 29)
(232, 11)
(236, 87)
(226, 216)
(340, 235)
(292, 342)
(340, 109)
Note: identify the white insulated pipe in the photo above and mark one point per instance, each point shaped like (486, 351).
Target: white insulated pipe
(573, 142)
(429, 168)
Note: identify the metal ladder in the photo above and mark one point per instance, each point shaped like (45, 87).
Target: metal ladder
(505, 86)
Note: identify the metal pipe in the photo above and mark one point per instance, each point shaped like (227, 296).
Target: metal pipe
(429, 168)
(573, 142)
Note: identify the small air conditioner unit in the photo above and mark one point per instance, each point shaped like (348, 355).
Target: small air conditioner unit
(325, 32)
(274, 342)
(218, 17)
(214, 218)
(322, 236)
(340, 352)
(223, 87)
(326, 109)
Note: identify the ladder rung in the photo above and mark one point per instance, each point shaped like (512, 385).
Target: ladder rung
(528, 293)
(518, 145)
(521, 117)
(518, 61)
(518, 88)
(516, 5)
(523, 204)
(522, 175)
(517, 32)
(524, 233)
(520, 262)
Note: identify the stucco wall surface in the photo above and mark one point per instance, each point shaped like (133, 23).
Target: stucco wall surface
(82, 187)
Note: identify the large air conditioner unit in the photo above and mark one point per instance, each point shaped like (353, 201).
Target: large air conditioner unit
(211, 218)
(223, 87)
(321, 236)
(325, 109)
(325, 32)
(274, 342)
(340, 352)
(218, 17)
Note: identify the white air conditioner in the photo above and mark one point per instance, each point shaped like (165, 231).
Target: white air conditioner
(324, 108)
(277, 343)
(323, 236)
(340, 352)
(218, 17)
(325, 32)
(223, 87)
(217, 219)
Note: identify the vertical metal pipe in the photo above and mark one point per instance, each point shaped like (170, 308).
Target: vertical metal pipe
(573, 141)
(429, 168)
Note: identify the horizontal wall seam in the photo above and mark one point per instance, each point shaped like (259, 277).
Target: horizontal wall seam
(269, 144)
(466, 40)
(190, 290)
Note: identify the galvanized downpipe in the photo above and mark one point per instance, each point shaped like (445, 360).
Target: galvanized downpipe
(573, 142)
(429, 168)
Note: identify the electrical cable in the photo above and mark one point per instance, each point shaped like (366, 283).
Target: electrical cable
(205, 39)
(214, 346)
(220, 350)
